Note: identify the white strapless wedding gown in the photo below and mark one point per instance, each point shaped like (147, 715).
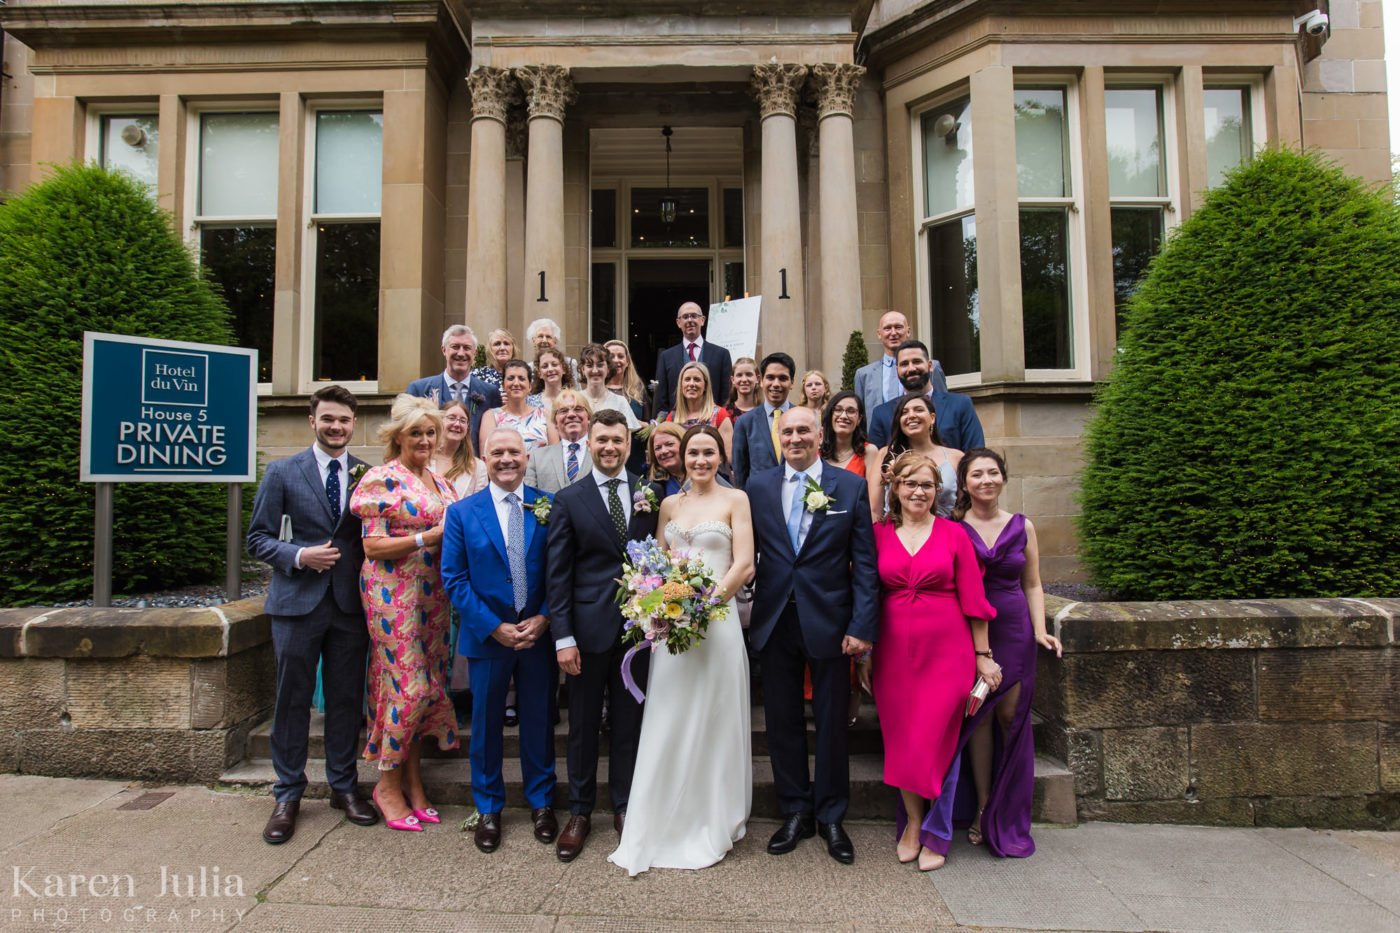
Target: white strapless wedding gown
(693, 786)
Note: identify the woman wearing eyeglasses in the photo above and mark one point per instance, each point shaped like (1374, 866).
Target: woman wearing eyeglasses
(932, 646)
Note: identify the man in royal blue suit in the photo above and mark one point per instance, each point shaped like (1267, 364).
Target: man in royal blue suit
(756, 444)
(954, 416)
(815, 605)
(493, 565)
(690, 318)
(456, 382)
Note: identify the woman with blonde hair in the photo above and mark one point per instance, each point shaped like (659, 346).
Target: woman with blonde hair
(455, 460)
(695, 404)
(816, 391)
(401, 505)
(500, 350)
(623, 378)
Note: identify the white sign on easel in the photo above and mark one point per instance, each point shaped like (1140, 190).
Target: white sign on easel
(734, 326)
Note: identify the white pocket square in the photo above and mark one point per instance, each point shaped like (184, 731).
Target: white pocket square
(835, 512)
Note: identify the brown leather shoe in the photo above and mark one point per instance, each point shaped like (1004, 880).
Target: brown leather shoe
(571, 839)
(282, 825)
(488, 832)
(619, 818)
(360, 812)
(546, 826)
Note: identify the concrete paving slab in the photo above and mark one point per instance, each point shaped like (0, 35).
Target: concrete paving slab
(159, 868)
(1383, 847)
(1280, 914)
(324, 918)
(1371, 878)
(34, 805)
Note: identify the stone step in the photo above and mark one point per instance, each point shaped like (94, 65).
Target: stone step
(864, 737)
(448, 781)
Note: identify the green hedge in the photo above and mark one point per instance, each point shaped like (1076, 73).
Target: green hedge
(852, 360)
(1247, 443)
(88, 250)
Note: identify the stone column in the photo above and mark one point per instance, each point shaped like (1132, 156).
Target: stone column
(840, 234)
(492, 91)
(548, 91)
(776, 86)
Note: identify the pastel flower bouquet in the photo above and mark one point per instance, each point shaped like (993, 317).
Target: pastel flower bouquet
(667, 598)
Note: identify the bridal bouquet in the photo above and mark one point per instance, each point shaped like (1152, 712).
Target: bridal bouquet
(667, 598)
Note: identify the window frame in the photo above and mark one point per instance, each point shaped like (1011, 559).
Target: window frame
(1253, 86)
(95, 112)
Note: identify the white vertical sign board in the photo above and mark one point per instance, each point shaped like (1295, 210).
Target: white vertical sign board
(734, 326)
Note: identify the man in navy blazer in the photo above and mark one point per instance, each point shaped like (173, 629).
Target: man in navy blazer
(456, 382)
(493, 566)
(303, 528)
(754, 447)
(815, 605)
(954, 416)
(878, 382)
(586, 553)
(690, 318)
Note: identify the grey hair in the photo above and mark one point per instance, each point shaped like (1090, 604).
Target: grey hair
(543, 322)
(457, 330)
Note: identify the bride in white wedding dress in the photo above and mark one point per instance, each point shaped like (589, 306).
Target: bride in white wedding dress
(693, 785)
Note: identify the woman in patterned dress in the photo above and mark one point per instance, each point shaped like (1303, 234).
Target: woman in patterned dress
(402, 505)
(500, 350)
(516, 412)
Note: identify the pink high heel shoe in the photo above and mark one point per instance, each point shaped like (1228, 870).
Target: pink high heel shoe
(408, 824)
(427, 815)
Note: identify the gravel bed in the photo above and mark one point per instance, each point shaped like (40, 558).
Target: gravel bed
(255, 580)
(1080, 592)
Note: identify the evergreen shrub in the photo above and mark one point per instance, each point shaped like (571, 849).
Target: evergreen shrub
(853, 359)
(88, 250)
(1247, 443)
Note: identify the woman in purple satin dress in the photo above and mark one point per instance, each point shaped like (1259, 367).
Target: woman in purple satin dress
(1003, 764)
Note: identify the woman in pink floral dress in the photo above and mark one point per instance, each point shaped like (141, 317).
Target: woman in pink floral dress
(402, 505)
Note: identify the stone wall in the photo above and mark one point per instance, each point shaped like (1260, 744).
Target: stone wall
(148, 694)
(1249, 712)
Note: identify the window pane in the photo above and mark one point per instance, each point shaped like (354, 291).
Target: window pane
(1137, 238)
(603, 217)
(952, 274)
(1041, 143)
(1134, 123)
(238, 165)
(604, 301)
(132, 145)
(690, 228)
(347, 301)
(241, 262)
(948, 158)
(733, 217)
(1227, 130)
(349, 160)
(1045, 310)
(733, 281)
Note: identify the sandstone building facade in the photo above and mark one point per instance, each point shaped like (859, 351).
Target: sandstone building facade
(358, 174)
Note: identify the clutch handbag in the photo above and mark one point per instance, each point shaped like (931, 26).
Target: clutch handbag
(978, 696)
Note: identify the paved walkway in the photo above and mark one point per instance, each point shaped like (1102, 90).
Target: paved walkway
(71, 858)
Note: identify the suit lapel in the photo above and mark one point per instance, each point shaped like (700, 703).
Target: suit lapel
(778, 516)
(312, 472)
(531, 523)
(828, 485)
(486, 517)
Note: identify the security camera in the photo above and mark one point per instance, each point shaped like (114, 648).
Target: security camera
(1314, 23)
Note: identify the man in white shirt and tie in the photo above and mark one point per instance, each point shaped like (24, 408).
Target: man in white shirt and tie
(456, 383)
(878, 382)
(556, 466)
(690, 318)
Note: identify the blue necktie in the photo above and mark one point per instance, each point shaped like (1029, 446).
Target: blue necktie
(333, 489)
(515, 550)
(794, 522)
(572, 467)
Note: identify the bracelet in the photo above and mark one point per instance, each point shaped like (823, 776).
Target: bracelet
(983, 654)
(418, 539)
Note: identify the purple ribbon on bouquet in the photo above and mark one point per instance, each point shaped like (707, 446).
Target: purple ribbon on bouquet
(628, 680)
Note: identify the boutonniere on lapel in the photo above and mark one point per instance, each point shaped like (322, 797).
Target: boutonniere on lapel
(813, 498)
(357, 473)
(644, 500)
(477, 400)
(541, 507)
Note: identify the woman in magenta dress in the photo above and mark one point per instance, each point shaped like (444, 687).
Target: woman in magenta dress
(1003, 764)
(932, 646)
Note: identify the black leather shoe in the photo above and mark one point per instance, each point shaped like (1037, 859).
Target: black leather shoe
(795, 828)
(512, 717)
(488, 832)
(282, 825)
(546, 826)
(838, 844)
(360, 812)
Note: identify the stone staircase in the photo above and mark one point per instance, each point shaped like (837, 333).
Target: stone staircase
(448, 774)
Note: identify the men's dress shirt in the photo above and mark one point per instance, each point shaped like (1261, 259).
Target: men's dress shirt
(323, 466)
(768, 410)
(498, 496)
(791, 489)
(693, 355)
(890, 385)
(602, 479)
(457, 390)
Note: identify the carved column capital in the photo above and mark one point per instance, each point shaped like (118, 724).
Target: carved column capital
(775, 86)
(493, 91)
(836, 87)
(548, 90)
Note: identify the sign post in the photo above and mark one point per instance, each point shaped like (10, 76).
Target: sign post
(165, 411)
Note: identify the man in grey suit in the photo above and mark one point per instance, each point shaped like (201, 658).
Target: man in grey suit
(303, 528)
(878, 382)
(756, 431)
(556, 466)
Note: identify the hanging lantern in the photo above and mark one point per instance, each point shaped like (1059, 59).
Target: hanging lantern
(668, 200)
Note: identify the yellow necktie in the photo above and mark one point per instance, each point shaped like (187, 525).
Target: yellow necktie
(777, 448)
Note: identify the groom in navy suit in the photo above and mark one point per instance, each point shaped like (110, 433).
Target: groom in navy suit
(815, 604)
(493, 566)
